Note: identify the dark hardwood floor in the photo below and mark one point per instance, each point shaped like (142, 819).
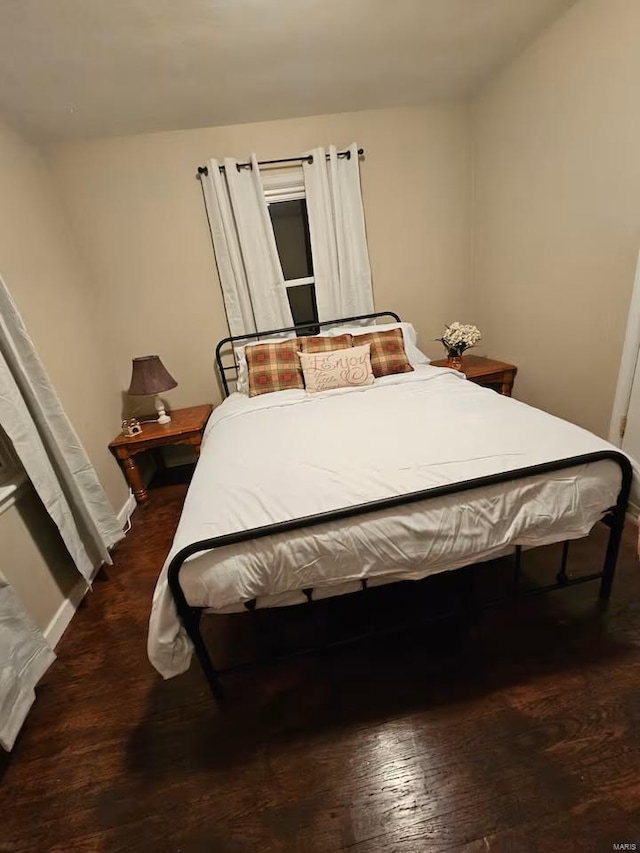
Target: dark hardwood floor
(522, 736)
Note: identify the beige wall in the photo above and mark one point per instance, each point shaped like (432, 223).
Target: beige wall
(43, 271)
(138, 214)
(40, 569)
(557, 209)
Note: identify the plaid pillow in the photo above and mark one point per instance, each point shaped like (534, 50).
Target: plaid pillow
(273, 367)
(387, 352)
(324, 344)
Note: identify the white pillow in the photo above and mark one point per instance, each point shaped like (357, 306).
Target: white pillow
(338, 368)
(409, 335)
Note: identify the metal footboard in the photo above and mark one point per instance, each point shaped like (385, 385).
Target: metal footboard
(614, 518)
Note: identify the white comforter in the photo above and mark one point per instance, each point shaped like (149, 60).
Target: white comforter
(291, 454)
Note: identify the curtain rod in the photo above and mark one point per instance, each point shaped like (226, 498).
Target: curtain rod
(203, 170)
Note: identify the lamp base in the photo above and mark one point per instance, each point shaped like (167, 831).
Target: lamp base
(163, 417)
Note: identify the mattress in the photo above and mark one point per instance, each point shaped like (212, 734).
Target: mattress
(290, 454)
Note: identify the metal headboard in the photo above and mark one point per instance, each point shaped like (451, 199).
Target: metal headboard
(224, 369)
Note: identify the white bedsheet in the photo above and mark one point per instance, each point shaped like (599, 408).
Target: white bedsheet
(289, 454)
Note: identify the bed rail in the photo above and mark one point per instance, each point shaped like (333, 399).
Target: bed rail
(300, 327)
(615, 518)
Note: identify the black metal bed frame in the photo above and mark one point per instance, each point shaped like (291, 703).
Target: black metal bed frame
(614, 518)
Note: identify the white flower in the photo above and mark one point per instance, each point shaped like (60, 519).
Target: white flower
(458, 337)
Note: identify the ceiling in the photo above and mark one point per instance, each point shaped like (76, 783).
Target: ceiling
(84, 68)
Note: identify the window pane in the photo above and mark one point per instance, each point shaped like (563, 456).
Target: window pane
(302, 299)
(291, 229)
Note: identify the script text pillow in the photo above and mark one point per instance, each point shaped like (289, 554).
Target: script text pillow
(273, 367)
(324, 344)
(342, 368)
(388, 355)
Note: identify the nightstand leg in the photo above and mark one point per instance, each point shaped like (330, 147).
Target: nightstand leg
(506, 386)
(134, 479)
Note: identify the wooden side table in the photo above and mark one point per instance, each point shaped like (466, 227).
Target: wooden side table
(488, 372)
(186, 427)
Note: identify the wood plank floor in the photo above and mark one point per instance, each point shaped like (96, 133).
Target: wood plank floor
(524, 736)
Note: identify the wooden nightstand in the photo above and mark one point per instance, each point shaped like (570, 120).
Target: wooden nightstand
(186, 427)
(488, 372)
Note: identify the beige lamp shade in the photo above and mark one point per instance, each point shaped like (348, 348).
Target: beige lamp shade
(149, 376)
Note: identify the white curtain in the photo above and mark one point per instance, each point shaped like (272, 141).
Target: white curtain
(49, 449)
(251, 277)
(24, 658)
(60, 472)
(338, 236)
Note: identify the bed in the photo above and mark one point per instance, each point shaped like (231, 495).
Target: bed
(298, 496)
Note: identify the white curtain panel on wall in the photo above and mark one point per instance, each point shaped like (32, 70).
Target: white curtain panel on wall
(338, 236)
(49, 449)
(251, 277)
(25, 656)
(59, 470)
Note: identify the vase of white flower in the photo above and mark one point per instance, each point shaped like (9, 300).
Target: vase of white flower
(457, 338)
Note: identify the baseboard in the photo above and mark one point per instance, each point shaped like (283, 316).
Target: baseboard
(127, 511)
(65, 613)
(67, 610)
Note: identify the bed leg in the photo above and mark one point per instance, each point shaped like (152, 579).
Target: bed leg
(192, 627)
(517, 571)
(319, 627)
(471, 608)
(264, 650)
(364, 584)
(611, 556)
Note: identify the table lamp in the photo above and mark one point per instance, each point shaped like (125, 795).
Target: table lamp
(149, 377)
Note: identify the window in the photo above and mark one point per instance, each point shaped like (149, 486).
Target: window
(285, 196)
(291, 230)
